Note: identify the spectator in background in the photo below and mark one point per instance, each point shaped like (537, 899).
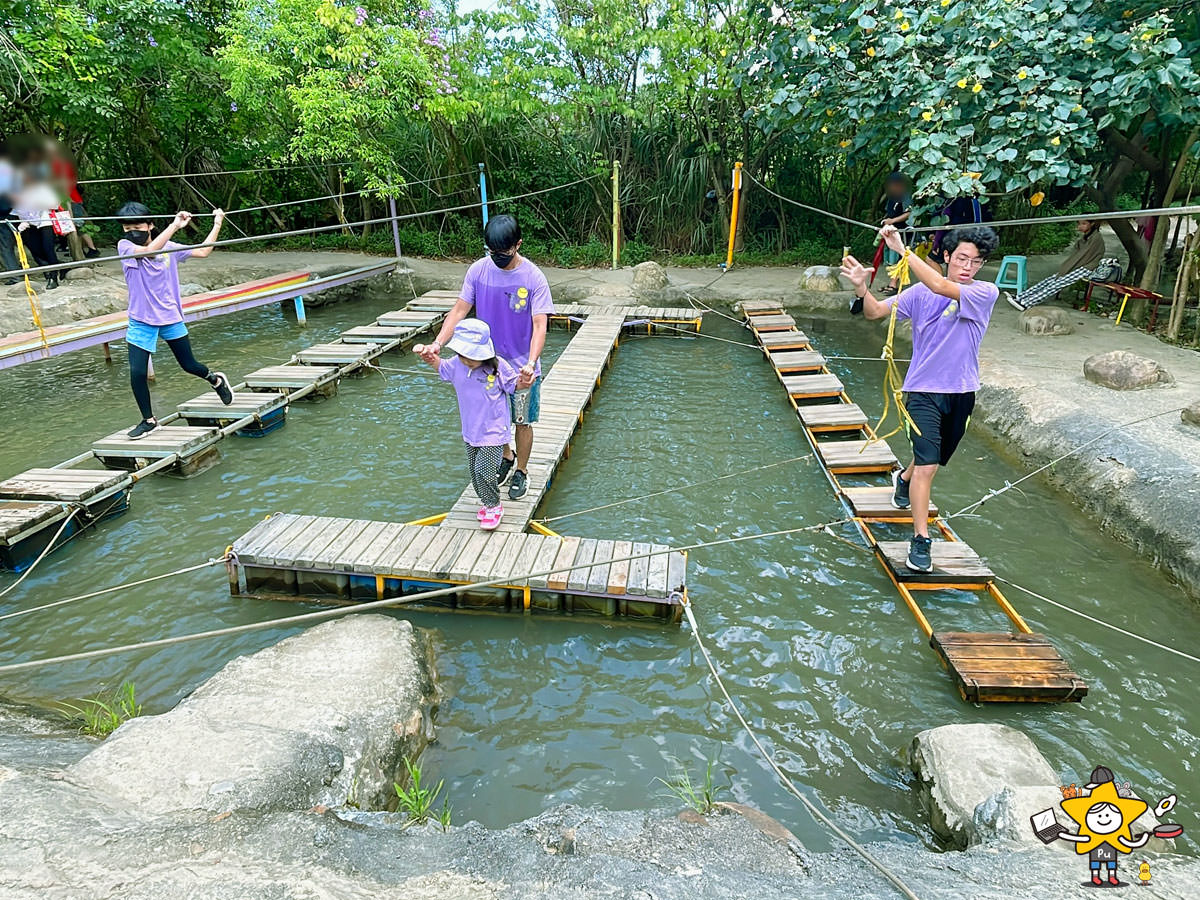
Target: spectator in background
(68, 179)
(897, 211)
(1084, 261)
(959, 211)
(34, 200)
(8, 221)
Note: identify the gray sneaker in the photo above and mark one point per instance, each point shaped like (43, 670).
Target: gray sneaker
(899, 491)
(518, 486)
(919, 558)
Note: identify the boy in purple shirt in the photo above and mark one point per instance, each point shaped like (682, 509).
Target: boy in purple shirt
(484, 384)
(949, 316)
(155, 307)
(512, 295)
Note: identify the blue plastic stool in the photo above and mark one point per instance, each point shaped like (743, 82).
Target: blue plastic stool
(1017, 283)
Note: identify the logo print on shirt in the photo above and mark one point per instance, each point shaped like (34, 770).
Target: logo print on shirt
(951, 310)
(519, 300)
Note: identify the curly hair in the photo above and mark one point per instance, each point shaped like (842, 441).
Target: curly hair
(985, 240)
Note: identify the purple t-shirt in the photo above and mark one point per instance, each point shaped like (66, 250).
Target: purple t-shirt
(946, 336)
(153, 283)
(482, 400)
(508, 301)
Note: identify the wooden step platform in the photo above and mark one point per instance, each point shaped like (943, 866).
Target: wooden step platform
(797, 361)
(194, 446)
(954, 565)
(287, 379)
(832, 417)
(875, 505)
(336, 354)
(207, 411)
(784, 340)
(760, 307)
(350, 559)
(409, 318)
(781, 322)
(64, 485)
(26, 528)
(1003, 667)
(845, 457)
(35, 503)
(374, 334)
(805, 386)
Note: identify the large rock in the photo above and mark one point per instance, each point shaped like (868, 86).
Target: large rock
(649, 280)
(1124, 371)
(1191, 413)
(820, 278)
(321, 718)
(1049, 320)
(982, 782)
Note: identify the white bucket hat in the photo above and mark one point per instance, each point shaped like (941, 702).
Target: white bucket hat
(472, 338)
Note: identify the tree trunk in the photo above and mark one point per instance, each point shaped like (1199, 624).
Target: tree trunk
(1154, 263)
(1182, 284)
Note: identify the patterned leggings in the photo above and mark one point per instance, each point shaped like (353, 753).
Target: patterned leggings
(1044, 290)
(485, 464)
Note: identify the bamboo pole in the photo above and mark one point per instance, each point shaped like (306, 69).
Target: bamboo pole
(733, 213)
(616, 214)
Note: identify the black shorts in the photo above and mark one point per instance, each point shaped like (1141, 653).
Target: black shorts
(942, 419)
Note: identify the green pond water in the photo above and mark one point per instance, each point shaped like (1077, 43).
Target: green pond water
(813, 640)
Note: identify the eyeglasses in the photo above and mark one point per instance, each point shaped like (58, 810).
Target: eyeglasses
(972, 262)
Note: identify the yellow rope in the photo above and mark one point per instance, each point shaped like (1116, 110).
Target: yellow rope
(893, 382)
(33, 298)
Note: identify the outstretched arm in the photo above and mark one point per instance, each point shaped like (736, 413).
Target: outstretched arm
(161, 239)
(428, 354)
(218, 220)
(859, 275)
(456, 315)
(928, 275)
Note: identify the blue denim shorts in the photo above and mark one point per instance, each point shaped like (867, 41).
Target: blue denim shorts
(535, 403)
(146, 336)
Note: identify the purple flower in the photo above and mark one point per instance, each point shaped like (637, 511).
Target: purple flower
(153, 42)
(424, 14)
(233, 107)
(360, 16)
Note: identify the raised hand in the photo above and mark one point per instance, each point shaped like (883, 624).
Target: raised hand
(858, 274)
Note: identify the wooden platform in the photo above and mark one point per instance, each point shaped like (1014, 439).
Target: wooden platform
(34, 504)
(782, 340)
(832, 417)
(760, 307)
(782, 322)
(954, 563)
(678, 318)
(288, 379)
(857, 456)
(336, 354)
(797, 361)
(374, 334)
(64, 485)
(1003, 667)
(805, 386)
(409, 318)
(166, 440)
(207, 411)
(875, 504)
(351, 560)
(566, 391)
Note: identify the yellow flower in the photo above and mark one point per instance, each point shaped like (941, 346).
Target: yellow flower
(1128, 14)
(899, 14)
(972, 174)
(1055, 141)
(1076, 108)
(962, 82)
(1146, 36)
(832, 49)
(945, 2)
(1036, 199)
(812, 38)
(1089, 40)
(824, 129)
(1022, 75)
(844, 144)
(829, 112)
(927, 115)
(870, 51)
(724, 52)
(904, 26)
(978, 87)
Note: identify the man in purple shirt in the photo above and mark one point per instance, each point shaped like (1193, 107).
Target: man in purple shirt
(512, 295)
(155, 307)
(949, 315)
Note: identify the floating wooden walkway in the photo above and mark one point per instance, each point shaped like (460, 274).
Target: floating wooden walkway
(34, 504)
(349, 560)
(985, 666)
(673, 320)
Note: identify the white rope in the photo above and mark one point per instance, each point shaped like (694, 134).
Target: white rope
(45, 552)
(108, 590)
(782, 776)
(1109, 625)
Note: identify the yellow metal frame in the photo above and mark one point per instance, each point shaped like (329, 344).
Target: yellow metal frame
(429, 520)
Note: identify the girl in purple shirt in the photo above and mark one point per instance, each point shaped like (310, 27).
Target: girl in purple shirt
(483, 383)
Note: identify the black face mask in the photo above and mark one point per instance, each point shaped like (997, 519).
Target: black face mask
(141, 238)
(503, 260)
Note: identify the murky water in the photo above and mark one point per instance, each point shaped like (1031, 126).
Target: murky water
(813, 640)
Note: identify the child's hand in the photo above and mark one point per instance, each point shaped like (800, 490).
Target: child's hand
(182, 220)
(218, 216)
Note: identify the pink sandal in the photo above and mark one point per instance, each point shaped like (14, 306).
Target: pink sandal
(482, 511)
(490, 520)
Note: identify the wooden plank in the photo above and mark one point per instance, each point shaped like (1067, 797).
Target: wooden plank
(67, 485)
(578, 580)
(784, 340)
(507, 558)
(385, 561)
(464, 563)
(423, 566)
(292, 377)
(364, 563)
(760, 307)
(639, 569)
(781, 322)
(547, 554)
(311, 554)
(567, 550)
(797, 361)
(282, 552)
(19, 518)
(953, 561)
(403, 564)
(656, 579)
(245, 403)
(162, 441)
(857, 456)
(523, 565)
(676, 572)
(248, 544)
(876, 503)
(832, 416)
(324, 354)
(598, 575)
(441, 566)
(342, 552)
(618, 575)
(812, 385)
(373, 334)
(487, 557)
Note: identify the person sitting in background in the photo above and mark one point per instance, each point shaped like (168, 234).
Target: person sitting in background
(1084, 261)
(897, 211)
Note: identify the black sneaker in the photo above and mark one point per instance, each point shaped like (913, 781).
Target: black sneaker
(856, 306)
(222, 386)
(90, 254)
(899, 490)
(141, 429)
(919, 559)
(506, 466)
(519, 485)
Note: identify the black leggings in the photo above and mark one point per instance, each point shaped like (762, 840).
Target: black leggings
(139, 370)
(40, 244)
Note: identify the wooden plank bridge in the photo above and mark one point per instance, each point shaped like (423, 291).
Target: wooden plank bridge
(340, 560)
(985, 666)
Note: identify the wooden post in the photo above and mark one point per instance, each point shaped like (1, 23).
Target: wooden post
(107, 353)
(733, 213)
(301, 316)
(616, 211)
(395, 225)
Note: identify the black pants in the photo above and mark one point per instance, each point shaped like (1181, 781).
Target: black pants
(40, 244)
(8, 245)
(139, 370)
(942, 419)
